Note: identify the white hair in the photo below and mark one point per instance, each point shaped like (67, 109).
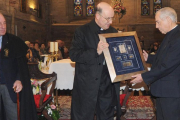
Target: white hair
(168, 12)
(27, 42)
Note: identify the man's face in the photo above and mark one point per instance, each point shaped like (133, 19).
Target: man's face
(2, 25)
(60, 43)
(105, 19)
(28, 44)
(42, 46)
(36, 45)
(31, 45)
(162, 24)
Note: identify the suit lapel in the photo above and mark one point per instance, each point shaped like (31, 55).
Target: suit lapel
(4, 45)
(4, 41)
(162, 51)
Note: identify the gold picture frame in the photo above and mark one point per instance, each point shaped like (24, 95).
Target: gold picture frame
(124, 56)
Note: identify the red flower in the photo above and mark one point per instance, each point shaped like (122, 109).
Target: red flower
(53, 106)
(118, 8)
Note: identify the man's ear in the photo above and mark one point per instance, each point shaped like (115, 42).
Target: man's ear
(169, 19)
(97, 16)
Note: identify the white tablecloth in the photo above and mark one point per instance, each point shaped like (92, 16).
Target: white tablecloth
(65, 70)
(139, 86)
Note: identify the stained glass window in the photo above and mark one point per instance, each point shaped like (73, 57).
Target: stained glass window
(145, 5)
(78, 11)
(90, 7)
(157, 5)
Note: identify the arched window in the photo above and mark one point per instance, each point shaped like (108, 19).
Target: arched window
(79, 7)
(145, 7)
(157, 5)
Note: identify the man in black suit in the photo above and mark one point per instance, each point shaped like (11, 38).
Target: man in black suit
(164, 77)
(93, 91)
(61, 47)
(14, 77)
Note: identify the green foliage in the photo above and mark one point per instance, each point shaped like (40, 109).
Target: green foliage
(55, 115)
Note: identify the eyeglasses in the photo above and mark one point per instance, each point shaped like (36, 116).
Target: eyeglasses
(108, 19)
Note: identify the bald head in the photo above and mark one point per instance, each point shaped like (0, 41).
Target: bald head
(104, 7)
(2, 25)
(104, 15)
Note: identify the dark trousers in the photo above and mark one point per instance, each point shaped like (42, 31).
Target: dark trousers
(9, 107)
(106, 97)
(168, 108)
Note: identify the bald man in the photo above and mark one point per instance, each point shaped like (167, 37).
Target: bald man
(93, 92)
(164, 77)
(14, 77)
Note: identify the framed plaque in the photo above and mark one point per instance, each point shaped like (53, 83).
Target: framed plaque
(124, 56)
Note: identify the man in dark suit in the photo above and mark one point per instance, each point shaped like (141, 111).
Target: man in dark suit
(61, 47)
(93, 91)
(14, 77)
(164, 77)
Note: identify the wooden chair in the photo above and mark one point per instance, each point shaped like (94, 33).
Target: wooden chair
(124, 98)
(127, 92)
(43, 99)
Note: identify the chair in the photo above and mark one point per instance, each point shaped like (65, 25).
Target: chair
(124, 99)
(43, 99)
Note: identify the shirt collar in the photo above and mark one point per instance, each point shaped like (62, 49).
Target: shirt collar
(0, 42)
(175, 27)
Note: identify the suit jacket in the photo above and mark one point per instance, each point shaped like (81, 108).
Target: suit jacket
(164, 77)
(88, 70)
(14, 67)
(62, 51)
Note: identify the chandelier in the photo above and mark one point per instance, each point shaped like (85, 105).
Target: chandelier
(119, 9)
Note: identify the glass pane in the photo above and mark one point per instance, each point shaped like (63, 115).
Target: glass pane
(78, 8)
(157, 5)
(145, 7)
(90, 7)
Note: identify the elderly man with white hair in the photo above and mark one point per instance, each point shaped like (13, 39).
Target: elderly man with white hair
(14, 77)
(164, 77)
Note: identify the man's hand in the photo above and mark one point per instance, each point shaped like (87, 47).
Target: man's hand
(101, 46)
(145, 54)
(17, 86)
(137, 79)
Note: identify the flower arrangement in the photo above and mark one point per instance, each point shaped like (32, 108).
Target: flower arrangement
(52, 112)
(36, 87)
(118, 8)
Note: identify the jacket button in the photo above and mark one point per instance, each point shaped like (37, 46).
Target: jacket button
(96, 79)
(99, 64)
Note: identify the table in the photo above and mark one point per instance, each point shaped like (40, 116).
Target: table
(139, 86)
(65, 70)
